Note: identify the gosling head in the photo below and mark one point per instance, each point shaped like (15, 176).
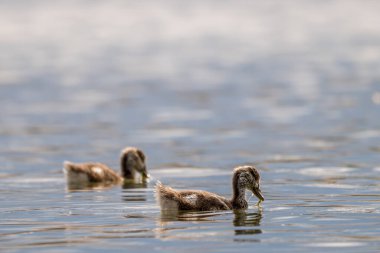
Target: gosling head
(132, 161)
(249, 178)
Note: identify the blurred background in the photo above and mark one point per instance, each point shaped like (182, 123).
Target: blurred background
(282, 84)
(203, 82)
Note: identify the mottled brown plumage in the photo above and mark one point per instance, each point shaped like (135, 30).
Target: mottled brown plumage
(132, 160)
(244, 177)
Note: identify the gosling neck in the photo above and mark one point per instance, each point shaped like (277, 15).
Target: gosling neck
(238, 194)
(126, 171)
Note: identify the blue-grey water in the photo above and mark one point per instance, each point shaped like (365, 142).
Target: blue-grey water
(292, 87)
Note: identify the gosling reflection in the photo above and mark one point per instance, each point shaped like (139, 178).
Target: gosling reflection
(134, 190)
(247, 223)
(133, 184)
(74, 187)
(175, 215)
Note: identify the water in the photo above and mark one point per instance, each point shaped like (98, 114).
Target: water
(201, 87)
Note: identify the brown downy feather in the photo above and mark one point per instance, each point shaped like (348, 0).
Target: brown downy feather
(95, 172)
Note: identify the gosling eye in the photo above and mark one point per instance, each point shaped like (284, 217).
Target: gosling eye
(132, 159)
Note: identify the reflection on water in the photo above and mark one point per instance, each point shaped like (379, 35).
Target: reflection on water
(138, 182)
(132, 184)
(88, 186)
(134, 190)
(171, 215)
(247, 223)
(244, 219)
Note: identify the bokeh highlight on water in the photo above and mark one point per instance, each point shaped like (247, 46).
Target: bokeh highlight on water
(202, 86)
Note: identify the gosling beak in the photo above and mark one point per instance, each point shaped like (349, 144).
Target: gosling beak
(145, 174)
(258, 193)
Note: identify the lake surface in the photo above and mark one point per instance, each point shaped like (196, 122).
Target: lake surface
(201, 87)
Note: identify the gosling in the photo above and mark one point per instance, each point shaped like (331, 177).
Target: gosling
(132, 161)
(244, 177)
